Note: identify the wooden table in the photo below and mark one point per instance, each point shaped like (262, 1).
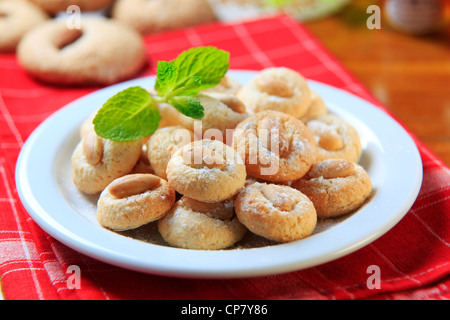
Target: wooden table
(409, 75)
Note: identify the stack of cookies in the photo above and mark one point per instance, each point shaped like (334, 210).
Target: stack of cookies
(268, 158)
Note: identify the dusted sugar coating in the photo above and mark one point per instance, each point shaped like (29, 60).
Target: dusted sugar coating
(335, 186)
(148, 17)
(316, 107)
(192, 224)
(101, 52)
(280, 89)
(206, 170)
(276, 212)
(96, 162)
(275, 146)
(335, 138)
(16, 19)
(56, 6)
(151, 197)
(163, 143)
(222, 112)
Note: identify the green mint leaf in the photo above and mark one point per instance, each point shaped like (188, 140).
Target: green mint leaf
(208, 63)
(166, 76)
(188, 105)
(191, 88)
(178, 77)
(129, 115)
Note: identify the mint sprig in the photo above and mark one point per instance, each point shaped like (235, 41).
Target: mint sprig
(129, 115)
(133, 113)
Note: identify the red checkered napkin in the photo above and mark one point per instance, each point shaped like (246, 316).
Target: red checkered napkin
(413, 256)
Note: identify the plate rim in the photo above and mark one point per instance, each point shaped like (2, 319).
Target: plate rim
(85, 246)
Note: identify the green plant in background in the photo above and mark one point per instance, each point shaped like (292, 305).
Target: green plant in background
(278, 3)
(304, 10)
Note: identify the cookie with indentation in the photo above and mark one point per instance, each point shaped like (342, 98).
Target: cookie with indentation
(134, 200)
(101, 52)
(280, 89)
(143, 164)
(335, 138)
(276, 212)
(222, 112)
(96, 161)
(206, 170)
(335, 186)
(148, 17)
(16, 19)
(315, 108)
(56, 6)
(227, 85)
(163, 143)
(192, 224)
(274, 146)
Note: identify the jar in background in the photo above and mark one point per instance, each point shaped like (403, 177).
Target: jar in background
(415, 17)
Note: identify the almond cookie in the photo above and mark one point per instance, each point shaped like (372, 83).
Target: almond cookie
(279, 89)
(96, 162)
(206, 170)
(55, 6)
(163, 143)
(335, 186)
(143, 164)
(149, 17)
(134, 200)
(101, 52)
(222, 112)
(316, 107)
(226, 85)
(275, 146)
(192, 224)
(16, 19)
(276, 212)
(335, 138)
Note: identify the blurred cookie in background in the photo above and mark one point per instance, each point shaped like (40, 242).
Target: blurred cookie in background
(101, 52)
(55, 6)
(149, 17)
(17, 18)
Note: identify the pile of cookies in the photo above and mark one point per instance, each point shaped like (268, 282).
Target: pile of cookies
(90, 42)
(268, 158)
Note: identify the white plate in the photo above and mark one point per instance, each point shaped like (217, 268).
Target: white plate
(44, 183)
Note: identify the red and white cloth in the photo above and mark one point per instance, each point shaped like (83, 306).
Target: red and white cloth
(414, 256)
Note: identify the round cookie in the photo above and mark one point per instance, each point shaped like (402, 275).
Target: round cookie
(55, 6)
(87, 125)
(335, 186)
(274, 146)
(335, 138)
(206, 170)
(316, 107)
(101, 52)
(192, 224)
(154, 16)
(16, 19)
(96, 162)
(163, 143)
(226, 85)
(134, 200)
(276, 212)
(143, 164)
(280, 89)
(222, 112)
